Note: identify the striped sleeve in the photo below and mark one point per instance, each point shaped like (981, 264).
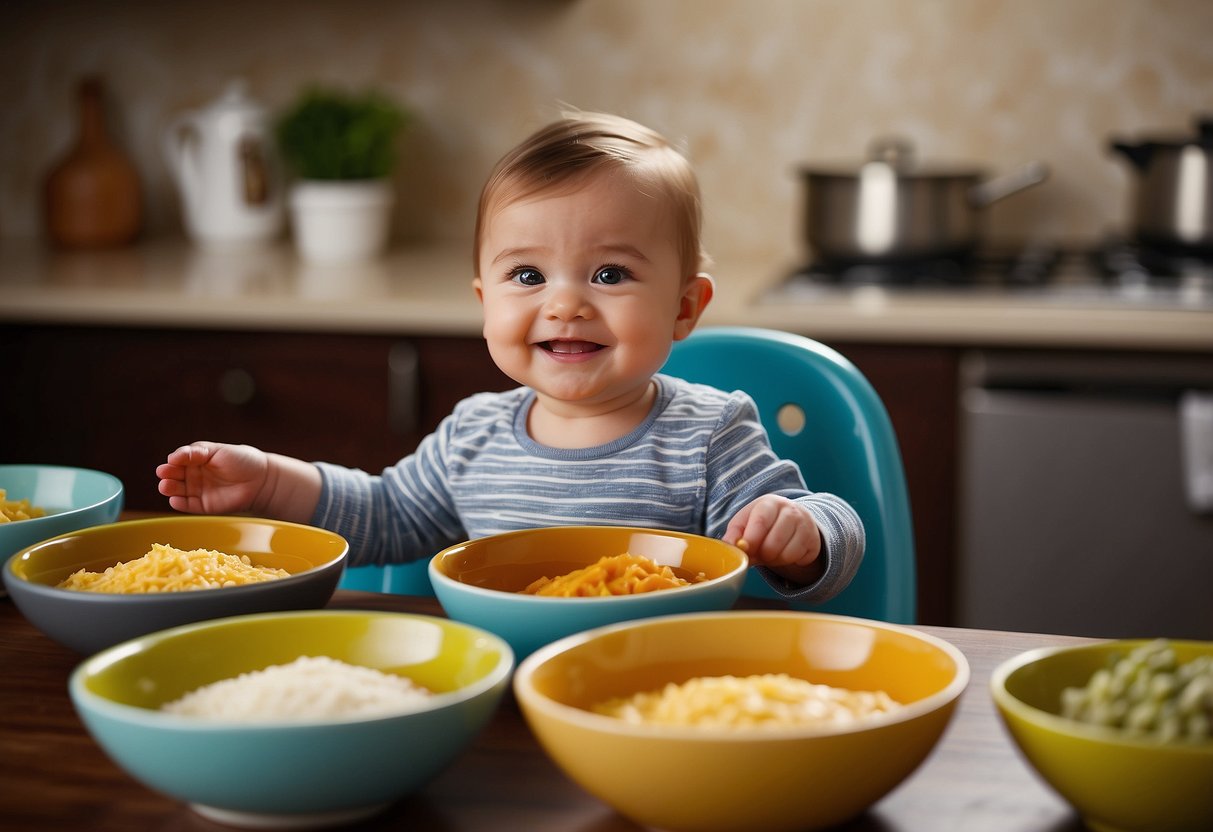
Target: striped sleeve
(404, 514)
(742, 467)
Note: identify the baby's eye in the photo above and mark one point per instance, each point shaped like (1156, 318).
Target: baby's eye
(526, 277)
(611, 275)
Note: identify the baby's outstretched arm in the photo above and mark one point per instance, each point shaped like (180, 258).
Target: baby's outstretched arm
(216, 478)
(779, 534)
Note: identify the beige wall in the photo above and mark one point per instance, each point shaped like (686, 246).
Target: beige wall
(752, 88)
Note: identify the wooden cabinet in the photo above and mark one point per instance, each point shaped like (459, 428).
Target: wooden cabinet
(120, 399)
(919, 387)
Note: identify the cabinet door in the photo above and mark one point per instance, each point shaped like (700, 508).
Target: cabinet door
(918, 385)
(120, 399)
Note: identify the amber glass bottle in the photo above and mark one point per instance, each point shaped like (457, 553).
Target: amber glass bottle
(93, 197)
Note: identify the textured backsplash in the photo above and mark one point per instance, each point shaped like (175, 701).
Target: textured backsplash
(751, 89)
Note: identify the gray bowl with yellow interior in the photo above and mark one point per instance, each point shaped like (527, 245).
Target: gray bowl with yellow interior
(89, 621)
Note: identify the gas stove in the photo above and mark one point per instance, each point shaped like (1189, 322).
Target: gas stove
(1114, 271)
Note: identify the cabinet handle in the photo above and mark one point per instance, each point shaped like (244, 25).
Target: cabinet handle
(237, 387)
(404, 382)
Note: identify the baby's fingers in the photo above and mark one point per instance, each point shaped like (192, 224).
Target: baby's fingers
(196, 453)
(169, 471)
(172, 487)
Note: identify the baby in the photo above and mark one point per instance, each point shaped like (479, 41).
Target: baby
(587, 268)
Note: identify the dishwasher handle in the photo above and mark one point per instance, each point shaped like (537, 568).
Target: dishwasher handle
(1196, 445)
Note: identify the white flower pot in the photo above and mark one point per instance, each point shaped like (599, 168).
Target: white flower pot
(341, 222)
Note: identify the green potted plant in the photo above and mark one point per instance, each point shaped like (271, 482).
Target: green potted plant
(341, 148)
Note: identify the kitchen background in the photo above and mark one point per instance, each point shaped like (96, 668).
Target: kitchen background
(752, 89)
(1052, 435)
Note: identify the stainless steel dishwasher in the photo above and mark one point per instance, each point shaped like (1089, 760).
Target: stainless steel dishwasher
(1086, 494)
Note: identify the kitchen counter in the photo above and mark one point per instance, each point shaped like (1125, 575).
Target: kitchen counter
(426, 291)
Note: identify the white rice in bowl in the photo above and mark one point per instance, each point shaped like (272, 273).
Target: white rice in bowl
(311, 687)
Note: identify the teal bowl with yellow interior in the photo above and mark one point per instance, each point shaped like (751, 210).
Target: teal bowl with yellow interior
(1117, 782)
(279, 772)
(61, 497)
(481, 582)
(89, 621)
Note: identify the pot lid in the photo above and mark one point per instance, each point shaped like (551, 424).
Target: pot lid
(898, 154)
(1202, 137)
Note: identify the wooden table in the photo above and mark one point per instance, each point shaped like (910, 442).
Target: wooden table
(53, 776)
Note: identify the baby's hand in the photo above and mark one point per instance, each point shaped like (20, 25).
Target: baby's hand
(776, 533)
(213, 478)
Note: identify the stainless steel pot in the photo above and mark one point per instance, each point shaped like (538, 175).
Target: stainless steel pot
(892, 208)
(1173, 200)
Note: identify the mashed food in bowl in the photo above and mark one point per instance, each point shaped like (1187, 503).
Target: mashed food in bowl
(625, 574)
(165, 569)
(759, 701)
(311, 687)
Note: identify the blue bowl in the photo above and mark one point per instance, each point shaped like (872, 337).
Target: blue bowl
(479, 581)
(73, 498)
(301, 774)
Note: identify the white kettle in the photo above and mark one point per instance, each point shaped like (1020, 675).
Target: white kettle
(224, 162)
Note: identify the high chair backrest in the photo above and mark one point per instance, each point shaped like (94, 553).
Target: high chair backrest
(823, 414)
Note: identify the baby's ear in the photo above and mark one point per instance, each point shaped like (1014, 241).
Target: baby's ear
(696, 295)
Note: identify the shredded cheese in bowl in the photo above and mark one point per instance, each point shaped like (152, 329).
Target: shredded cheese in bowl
(13, 510)
(625, 574)
(759, 701)
(165, 569)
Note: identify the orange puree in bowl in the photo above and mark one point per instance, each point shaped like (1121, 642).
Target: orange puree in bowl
(625, 574)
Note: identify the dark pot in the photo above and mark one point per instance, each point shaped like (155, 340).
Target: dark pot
(1173, 198)
(894, 209)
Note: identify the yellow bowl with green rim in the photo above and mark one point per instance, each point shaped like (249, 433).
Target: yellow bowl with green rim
(1117, 782)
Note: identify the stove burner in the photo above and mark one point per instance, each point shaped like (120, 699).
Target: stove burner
(1028, 266)
(1128, 263)
(1109, 272)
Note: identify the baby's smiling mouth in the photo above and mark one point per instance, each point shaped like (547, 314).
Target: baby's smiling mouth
(570, 347)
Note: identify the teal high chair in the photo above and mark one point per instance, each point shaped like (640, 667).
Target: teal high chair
(401, 579)
(823, 414)
(846, 447)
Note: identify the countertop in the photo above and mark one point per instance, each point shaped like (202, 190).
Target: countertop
(427, 291)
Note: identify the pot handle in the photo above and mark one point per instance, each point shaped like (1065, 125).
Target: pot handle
(1000, 187)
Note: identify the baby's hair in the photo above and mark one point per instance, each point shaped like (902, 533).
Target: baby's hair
(578, 144)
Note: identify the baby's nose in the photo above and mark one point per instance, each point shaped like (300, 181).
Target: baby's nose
(566, 303)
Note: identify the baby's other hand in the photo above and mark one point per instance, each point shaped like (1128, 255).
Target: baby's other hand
(777, 533)
(213, 478)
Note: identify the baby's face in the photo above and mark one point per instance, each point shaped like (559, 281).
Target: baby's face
(582, 290)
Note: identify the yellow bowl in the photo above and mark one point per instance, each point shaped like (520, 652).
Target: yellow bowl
(480, 581)
(1116, 782)
(91, 621)
(770, 779)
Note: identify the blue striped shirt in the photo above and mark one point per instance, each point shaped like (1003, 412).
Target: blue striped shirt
(698, 458)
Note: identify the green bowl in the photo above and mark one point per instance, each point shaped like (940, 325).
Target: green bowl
(91, 621)
(1115, 781)
(291, 774)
